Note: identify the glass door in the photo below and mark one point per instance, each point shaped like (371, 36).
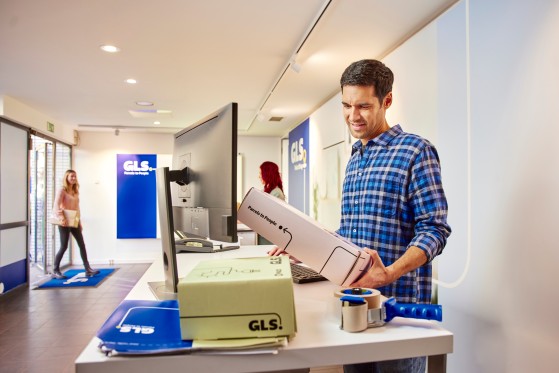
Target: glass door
(62, 163)
(48, 161)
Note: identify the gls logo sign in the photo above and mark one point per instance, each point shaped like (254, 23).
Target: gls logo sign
(133, 168)
(299, 154)
(258, 325)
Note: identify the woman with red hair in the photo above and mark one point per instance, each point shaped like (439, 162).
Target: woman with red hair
(271, 179)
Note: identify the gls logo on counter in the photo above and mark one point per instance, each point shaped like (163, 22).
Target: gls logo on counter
(299, 155)
(137, 329)
(259, 325)
(132, 168)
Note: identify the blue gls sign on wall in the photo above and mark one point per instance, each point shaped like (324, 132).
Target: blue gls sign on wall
(136, 196)
(298, 167)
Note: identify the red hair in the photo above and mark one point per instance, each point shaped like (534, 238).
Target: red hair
(270, 176)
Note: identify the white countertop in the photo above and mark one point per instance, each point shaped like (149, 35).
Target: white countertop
(319, 340)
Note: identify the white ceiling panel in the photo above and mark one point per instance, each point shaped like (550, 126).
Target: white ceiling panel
(192, 57)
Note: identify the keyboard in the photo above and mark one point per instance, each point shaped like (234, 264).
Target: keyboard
(302, 274)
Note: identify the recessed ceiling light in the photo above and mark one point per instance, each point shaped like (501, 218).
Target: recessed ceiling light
(144, 103)
(109, 48)
(131, 81)
(150, 113)
(156, 122)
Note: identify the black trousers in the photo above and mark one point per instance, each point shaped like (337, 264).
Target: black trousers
(64, 240)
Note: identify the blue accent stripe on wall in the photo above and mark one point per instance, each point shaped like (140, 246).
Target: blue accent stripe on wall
(13, 275)
(299, 161)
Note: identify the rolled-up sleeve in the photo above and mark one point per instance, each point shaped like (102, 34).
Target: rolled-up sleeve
(429, 204)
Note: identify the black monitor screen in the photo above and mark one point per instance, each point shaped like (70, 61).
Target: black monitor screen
(208, 149)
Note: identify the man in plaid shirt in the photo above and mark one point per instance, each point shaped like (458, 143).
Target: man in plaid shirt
(393, 202)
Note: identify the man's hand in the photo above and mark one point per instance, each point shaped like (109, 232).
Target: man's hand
(378, 275)
(276, 251)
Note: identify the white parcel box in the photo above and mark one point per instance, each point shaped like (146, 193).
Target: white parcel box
(337, 259)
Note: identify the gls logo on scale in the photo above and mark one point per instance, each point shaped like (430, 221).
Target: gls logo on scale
(299, 155)
(132, 168)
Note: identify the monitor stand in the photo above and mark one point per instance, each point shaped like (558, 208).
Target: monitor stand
(162, 291)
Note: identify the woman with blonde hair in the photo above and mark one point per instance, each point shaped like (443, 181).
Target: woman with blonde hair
(68, 198)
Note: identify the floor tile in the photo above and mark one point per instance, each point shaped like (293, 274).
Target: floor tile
(46, 330)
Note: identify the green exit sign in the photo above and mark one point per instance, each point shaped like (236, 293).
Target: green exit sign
(50, 127)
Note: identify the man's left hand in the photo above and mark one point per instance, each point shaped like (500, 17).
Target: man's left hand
(378, 275)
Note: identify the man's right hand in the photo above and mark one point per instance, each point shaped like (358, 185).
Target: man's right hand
(276, 251)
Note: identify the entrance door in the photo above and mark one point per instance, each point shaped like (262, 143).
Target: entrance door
(48, 161)
(40, 184)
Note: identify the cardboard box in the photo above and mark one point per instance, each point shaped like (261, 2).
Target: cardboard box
(337, 259)
(237, 298)
(72, 218)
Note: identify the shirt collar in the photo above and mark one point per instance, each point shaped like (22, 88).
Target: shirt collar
(382, 140)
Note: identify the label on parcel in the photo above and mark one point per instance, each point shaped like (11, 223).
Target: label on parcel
(237, 298)
(337, 259)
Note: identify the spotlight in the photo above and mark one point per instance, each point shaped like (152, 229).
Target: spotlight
(295, 66)
(110, 48)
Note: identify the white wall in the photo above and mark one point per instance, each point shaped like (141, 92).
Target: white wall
(514, 56)
(256, 150)
(30, 117)
(95, 163)
(330, 148)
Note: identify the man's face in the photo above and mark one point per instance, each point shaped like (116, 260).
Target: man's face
(363, 112)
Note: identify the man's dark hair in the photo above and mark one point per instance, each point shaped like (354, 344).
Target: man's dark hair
(369, 73)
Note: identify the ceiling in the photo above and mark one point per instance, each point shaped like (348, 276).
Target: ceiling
(193, 57)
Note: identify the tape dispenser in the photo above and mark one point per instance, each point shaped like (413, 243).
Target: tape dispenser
(362, 308)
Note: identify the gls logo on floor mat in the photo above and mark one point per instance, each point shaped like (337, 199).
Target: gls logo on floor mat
(80, 277)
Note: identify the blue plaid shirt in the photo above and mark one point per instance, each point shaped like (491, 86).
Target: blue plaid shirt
(393, 199)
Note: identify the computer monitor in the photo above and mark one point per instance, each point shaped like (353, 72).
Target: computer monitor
(206, 152)
(166, 289)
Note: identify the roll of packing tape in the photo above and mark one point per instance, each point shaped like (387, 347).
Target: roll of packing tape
(354, 317)
(372, 296)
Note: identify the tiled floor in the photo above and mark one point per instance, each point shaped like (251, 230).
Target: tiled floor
(44, 331)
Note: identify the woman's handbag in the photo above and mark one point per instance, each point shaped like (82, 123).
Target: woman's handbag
(72, 219)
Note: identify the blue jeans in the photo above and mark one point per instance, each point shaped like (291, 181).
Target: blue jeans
(411, 365)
